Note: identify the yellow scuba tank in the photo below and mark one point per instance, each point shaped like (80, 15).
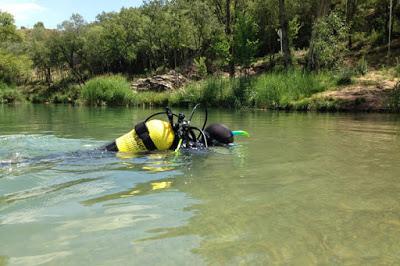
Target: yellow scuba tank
(152, 135)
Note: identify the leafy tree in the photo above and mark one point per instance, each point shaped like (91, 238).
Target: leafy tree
(40, 51)
(245, 41)
(8, 30)
(14, 69)
(14, 66)
(225, 11)
(68, 42)
(95, 50)
(205, 25)
(329, 43)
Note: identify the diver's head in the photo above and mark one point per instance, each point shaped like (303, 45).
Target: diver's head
(218, 135)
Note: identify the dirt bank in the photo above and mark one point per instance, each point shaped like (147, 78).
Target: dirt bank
(367, 93)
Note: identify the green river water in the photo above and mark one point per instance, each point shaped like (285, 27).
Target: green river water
(304, 189)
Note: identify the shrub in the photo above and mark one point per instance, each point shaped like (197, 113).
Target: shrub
(345, 77)
(394, 99)
(376, 37)
(397, 68)
(111, 90)
(201, 66)
(362, 66)
(14, 68)
(328, 44)
(10, 94)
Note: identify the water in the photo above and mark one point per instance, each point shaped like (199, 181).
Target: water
(304, 189)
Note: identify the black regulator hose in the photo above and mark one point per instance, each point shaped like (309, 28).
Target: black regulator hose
(159, 113)
(201, 134)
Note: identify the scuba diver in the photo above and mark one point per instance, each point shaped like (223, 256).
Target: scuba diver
(159, 135)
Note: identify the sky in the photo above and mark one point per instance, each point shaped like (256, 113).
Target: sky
(53, 12)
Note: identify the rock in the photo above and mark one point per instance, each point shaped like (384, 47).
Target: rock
(170, 81)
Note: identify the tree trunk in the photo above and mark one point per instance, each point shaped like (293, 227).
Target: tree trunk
(285, 39)
(228, 30)
(351, 6)
(324, 8)
(223, 12)
(390, 26)
(48, 75)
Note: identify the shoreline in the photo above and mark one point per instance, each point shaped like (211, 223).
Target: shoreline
(375, 92)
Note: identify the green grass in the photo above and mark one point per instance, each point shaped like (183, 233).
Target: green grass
(271, 90)
(110, 90)
(279, 90)
(214, 91)
(317, 104)
(10, 94)
(394, 99)
(276, 90)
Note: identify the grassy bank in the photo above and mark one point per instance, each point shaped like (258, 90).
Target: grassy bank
(294, 90)
(271, 90)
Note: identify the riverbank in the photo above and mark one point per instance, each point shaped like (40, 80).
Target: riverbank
(376, 91)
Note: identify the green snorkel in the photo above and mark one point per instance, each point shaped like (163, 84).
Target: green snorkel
(240, 133)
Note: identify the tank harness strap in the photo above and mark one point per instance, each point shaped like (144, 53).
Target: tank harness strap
(143, 133)
(175, 143)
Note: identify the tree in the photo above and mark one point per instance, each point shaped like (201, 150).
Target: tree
(285, 39)
(8, 30)
(69, 43)
(329, 43)
(40, 51)
(205, 25)
(390, 26)
(245, 41)
(225, 12)
(312, 56)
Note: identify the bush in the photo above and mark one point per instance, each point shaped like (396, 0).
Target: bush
(345, 77)
(111, 90)
(10, 94)
(376, 37)
(14, 69)
(394, 99)
(201, 66)
(69, 95)
(328, 44)
(397, 68)
(362, 66)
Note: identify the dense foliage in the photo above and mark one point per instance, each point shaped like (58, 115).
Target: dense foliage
(207, 35)
(170, 34)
